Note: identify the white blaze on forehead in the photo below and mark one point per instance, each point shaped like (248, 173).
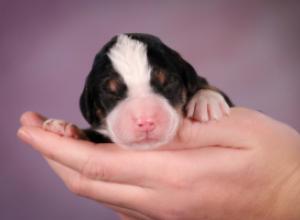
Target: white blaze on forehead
(129, 58)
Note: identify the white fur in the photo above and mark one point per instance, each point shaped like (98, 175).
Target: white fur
(129, 58)
(166, 137)
(55, 125)
(207, 105)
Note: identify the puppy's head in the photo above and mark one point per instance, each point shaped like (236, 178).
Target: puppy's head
(136, 91)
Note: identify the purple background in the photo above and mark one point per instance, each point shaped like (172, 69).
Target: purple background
(250, 49)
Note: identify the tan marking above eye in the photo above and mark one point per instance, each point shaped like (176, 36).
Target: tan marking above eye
(184, 95)
(161, 77)
(99, 113)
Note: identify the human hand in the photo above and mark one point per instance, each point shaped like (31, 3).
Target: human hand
(245, 166)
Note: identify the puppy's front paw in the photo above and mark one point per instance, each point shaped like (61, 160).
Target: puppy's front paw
(63, 128)
(207, 105)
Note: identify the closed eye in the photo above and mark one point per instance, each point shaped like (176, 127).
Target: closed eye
(163, 81)
(111, 90)
(113, 85)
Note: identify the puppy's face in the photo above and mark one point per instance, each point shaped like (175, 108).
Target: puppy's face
(135, 92)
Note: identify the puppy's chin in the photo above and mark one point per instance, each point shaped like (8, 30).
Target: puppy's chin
(141, 146)
(149, 143)
(125, 131)
(146, 144)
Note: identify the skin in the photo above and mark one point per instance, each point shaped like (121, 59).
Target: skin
(244, 166)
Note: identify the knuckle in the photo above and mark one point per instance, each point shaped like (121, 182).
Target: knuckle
(94, 169)
(178, 182)
(76, 185)
(51, 154)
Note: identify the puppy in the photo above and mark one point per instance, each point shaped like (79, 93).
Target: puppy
(137, 92)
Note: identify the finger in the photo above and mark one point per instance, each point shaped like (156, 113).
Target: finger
(104, 162)
(72, 153)
(119, 195)
(32, 119)
(127, 214)
(69, 177)
(64, 173)
(237, 131)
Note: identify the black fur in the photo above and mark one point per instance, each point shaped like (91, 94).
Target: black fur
(180, 82)
(95, 137)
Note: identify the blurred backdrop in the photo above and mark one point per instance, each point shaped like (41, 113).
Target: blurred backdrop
(249, 49)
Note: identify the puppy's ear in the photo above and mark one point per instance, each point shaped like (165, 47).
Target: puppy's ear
(88, 106)
(192, 81)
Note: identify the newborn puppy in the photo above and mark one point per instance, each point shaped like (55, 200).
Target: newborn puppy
(137, 92)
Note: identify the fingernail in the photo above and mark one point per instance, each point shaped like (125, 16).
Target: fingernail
(24, 134)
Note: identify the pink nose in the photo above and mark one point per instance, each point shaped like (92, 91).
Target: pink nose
(146, 125)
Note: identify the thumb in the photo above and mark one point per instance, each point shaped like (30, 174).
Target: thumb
(32, 119)
(235, 131)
